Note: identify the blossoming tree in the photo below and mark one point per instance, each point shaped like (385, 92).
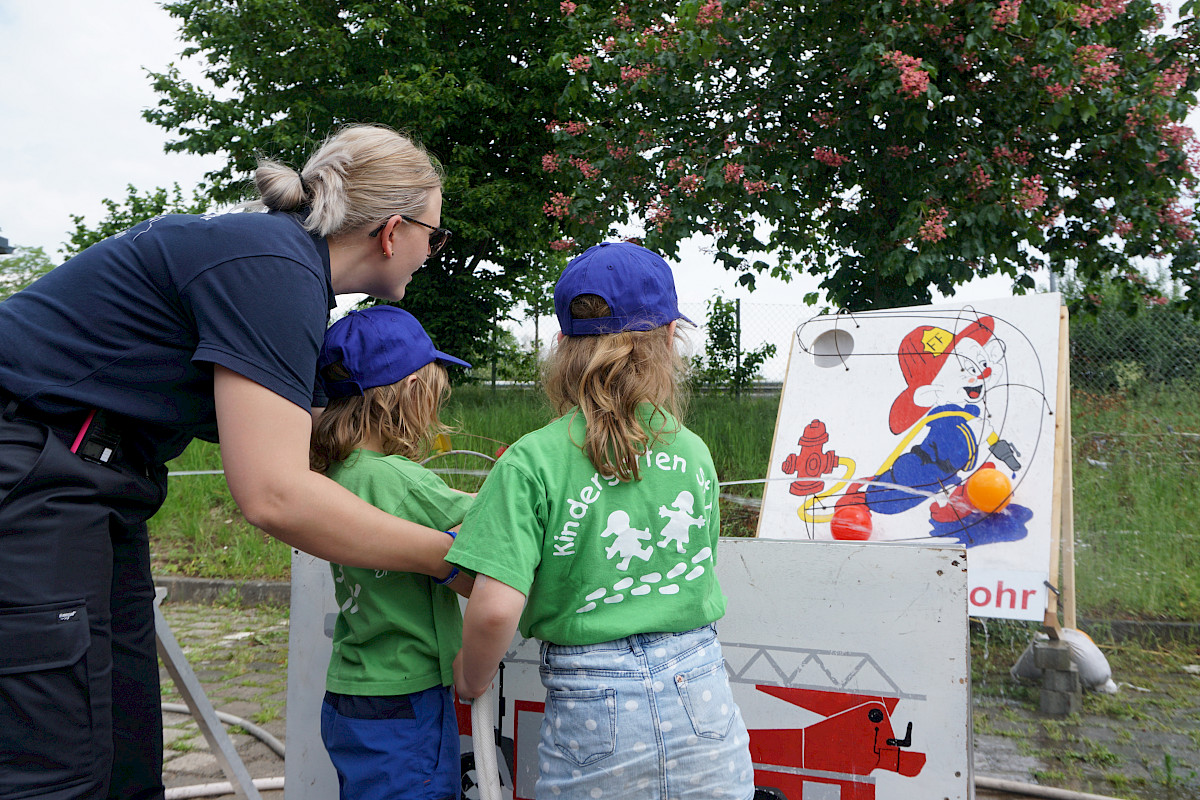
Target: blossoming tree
(890, 147)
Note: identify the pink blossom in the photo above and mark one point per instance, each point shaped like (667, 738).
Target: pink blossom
(1175, 216)
(1098, 69)
(1041, 71)
(1122, 227)
(914, 81)
(1020, 157)
(933, 229)
(632, 74)
(590, 171)
(609, 45)
(622, 19)
(569, 128)
(733, 172)
(829, 157)
(558, 206)
(1175, 135)
(756, 187)
(899, 151)
(979, 178)
(690, 184)
(658, 216)
(825, 119)
(1005, 13)
(1031, 194)
(562, 244)
(1059, 90)
(580, 63)
(567, 8)
(709, 13)
(1087, 16)
(617, 152)
(1169, 82)
(551, 162)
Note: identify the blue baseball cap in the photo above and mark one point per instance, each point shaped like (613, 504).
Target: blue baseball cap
(375, 347)
(636, 283)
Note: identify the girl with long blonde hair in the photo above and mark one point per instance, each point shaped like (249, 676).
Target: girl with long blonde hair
(597, 535)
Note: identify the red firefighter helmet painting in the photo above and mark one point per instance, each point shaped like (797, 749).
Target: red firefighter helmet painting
(922, 353)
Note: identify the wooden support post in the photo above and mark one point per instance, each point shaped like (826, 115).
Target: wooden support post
(1062, 433)
(1068, 521)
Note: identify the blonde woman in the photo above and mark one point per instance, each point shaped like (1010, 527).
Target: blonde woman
(181, 327)
(388, 718)
(598, 536)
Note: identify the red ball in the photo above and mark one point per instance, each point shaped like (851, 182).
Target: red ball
(851, 523)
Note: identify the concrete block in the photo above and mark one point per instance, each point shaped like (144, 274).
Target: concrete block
(1052, 655)
(1059, 704)
(1062, 680)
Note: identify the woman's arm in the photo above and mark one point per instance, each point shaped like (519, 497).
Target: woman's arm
(264, 447)
(488, 627)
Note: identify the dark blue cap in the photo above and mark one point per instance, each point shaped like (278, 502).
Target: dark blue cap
(375, 347)
(636, 283)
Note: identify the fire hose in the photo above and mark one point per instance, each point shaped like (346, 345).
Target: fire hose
(483, 739)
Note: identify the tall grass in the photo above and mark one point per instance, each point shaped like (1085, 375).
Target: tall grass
(1137, 502)
(200, 533)
(1137, 491)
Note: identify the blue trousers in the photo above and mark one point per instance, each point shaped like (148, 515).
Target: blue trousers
(79, 693)
(394, 747)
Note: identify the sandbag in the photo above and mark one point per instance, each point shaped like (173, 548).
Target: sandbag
(1094, 672)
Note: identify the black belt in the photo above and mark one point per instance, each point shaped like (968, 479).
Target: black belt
(92, 434)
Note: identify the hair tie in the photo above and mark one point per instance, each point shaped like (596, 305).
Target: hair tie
(303, 185)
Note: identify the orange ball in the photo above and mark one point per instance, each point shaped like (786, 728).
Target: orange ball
(989, 490)
(851, 523)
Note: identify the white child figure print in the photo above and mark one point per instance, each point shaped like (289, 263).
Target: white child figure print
(680, 521)
(627, 543)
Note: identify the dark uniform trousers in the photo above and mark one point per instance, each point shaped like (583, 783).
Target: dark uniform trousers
(79, 690)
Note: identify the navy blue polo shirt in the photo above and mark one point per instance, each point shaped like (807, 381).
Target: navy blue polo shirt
(134, 324)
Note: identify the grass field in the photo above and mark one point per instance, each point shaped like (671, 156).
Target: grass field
(1137, 492)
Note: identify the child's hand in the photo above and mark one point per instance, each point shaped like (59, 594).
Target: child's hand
(464, 691)
(463, 584)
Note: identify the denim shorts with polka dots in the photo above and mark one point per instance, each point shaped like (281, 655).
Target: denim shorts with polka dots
(650, 716)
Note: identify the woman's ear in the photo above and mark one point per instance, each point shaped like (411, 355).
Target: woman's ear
(386, 236)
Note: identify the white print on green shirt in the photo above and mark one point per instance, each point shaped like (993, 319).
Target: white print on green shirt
(351, 603)
(647, 583)
(591, 492)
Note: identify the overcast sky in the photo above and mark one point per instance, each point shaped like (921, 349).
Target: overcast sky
(73, 84)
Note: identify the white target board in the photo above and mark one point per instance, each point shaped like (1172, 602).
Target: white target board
(850, 663)
(887, 416)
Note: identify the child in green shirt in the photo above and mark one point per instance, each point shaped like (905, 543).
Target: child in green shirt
(597, 534)
(388, 717)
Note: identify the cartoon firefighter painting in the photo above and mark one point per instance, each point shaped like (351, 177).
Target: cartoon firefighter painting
(946, 435)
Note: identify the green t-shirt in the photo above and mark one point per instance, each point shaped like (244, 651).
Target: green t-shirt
(599, 559)
(396, 632)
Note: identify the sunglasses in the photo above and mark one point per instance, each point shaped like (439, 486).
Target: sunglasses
(437, 239)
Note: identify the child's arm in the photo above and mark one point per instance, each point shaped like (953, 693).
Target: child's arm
(488, 627)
